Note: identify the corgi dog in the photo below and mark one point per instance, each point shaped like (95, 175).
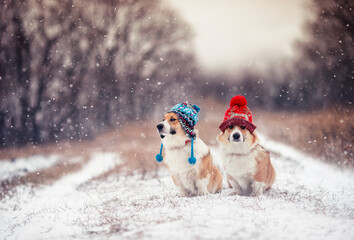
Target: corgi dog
(247, 164)
(195, 175)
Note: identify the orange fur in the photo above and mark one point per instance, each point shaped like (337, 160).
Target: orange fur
(264, 169)
(175, 124)
(206, 169)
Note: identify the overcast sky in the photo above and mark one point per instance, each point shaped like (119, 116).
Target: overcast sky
(232, 34)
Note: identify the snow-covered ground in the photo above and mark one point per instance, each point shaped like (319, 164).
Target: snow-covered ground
(21, 166)
(309, 200)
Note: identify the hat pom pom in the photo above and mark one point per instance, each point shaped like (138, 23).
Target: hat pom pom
(192, 160)
(196, 108)
(239, 101)
(159, 158)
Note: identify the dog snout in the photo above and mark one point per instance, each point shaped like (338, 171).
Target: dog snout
(236, 136)
(159, 126)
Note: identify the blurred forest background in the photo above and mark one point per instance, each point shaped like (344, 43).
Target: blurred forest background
(72, 69)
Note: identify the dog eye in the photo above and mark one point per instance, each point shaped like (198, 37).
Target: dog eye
(231, 126)
(243, 127)
(172, 119)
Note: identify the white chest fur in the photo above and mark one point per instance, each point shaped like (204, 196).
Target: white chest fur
(239, 165)
(176, 158)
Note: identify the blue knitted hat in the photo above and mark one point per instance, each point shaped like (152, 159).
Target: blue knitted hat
(188, 117)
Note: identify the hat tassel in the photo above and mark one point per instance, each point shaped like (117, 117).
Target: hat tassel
(192, 160)
(159, 156)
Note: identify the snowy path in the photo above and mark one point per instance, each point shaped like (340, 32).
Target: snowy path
(309, 200)
(34, 213)
(21, 166)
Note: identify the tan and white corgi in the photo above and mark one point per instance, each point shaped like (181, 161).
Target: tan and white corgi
(247, 164)
(193, 175)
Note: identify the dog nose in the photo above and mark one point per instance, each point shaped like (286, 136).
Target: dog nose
(159, 126)
(236, 136)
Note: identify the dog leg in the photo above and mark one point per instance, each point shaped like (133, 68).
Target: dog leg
(201, 185)
(189, 183)
(183, 192)
(236, 188)
(215, 181)
(257, 188)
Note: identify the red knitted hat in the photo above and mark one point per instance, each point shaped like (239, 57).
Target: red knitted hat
(238, 114)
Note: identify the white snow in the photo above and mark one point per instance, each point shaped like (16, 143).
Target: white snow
(309, 200)
(315, 173)
(22, 166)
(52, 209)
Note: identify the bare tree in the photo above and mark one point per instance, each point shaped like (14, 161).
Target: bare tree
(66, 74)
(325, 70)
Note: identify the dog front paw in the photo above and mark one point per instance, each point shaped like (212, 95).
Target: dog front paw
(236, 192)
(186, 193)
(256, 193)
(183, 192)
(257, 189)
(202, 193)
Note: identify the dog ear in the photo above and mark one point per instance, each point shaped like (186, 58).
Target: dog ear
(255, 135)
(218, 138)
(196, 108)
